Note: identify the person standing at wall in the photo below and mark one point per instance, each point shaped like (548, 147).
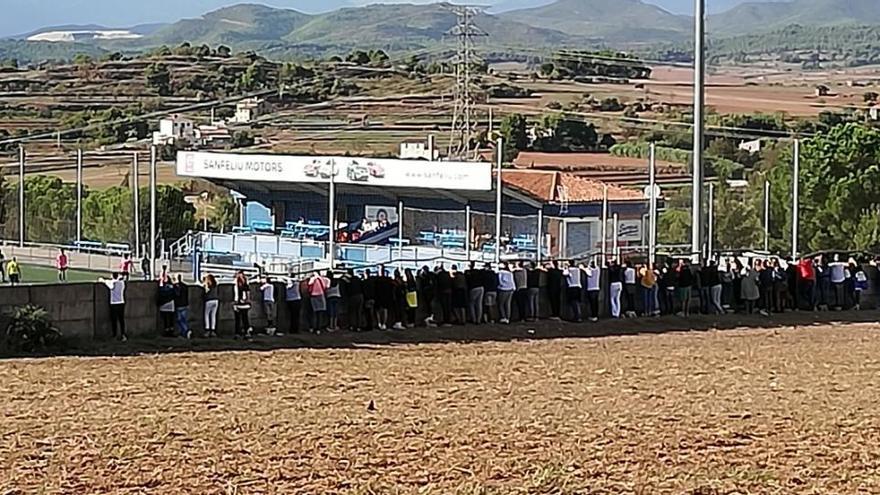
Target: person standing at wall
(594, 280)
(334, 296)
(212, 303)
(2, 268)
(165, 301)
(615, 287)
(749, 290)
(400, 306)
(13, 269)
(521, 296)
(685, 284)
(712, 280)
(474, 278)
(630, 289)
(62, 263)
(860, 279)
(506, 286)
(267, 290)
(370, 301)
(353, 291)
(444, 292)
(317, 297)
(490, 293)
(838, 278)
(554, 289)
(573, 291)
(293, 301)
(412, 298)
(241, 305)
(427, 283)
(648, 281)
(806, 284)
(533, 284)
(117, 305)
(459, 295)
(181, 306)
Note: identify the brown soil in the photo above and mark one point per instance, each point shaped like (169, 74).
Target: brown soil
(786, 410)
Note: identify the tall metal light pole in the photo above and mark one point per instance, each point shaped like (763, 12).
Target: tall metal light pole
(136, 185)
(79, 195)
(795, 198)
(699, 122)
(604, 225)
(766, 215)
(652, 210)
(152, 255)
(21, 226)
(710, 237)
(499, 152)
(331, 244)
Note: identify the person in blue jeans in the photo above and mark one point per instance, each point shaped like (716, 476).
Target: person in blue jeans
(181, 306)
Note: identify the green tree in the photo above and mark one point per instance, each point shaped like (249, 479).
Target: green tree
(159, 78)
(839, 182)
(50, 209)
(82, 59)
(515, 133)
(561, 133)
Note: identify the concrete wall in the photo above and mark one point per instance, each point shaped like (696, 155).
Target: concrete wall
(82, 309)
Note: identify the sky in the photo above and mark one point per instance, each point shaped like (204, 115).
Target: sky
(23, 16)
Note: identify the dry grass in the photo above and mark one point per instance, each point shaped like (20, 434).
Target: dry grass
(752, 411)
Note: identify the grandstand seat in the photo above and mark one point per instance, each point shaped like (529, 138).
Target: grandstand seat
(261, 226)
(118, 249)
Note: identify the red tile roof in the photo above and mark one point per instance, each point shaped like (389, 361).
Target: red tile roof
(590, 161)
(553, 187)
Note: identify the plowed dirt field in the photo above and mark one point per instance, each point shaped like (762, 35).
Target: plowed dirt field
(741, 411)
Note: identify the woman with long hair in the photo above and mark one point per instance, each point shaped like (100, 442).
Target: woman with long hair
(241, 305)
(212, 302)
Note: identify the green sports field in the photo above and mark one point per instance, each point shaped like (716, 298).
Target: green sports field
(35, 274)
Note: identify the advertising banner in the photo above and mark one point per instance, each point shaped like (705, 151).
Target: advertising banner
(344, 170)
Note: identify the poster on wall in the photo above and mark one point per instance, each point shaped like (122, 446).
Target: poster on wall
(343, 170)
(629, 230)
(380, 214)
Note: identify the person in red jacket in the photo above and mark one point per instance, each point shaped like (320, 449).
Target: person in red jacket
(807, 281)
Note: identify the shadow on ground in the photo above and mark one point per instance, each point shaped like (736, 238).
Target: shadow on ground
(544, 329)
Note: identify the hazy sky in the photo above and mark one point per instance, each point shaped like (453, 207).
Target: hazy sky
(22, 16)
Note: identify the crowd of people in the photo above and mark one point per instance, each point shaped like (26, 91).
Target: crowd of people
(383, 299)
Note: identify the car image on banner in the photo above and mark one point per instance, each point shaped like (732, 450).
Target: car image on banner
(464, 176)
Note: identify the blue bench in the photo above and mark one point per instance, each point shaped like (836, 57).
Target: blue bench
(263, 226)
(242, 229)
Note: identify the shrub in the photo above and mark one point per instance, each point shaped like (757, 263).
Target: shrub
(30, 329)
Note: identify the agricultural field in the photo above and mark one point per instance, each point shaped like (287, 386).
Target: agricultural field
(774, 410)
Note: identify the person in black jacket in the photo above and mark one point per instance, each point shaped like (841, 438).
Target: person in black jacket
(554, 289)
(369, 287)
(685, 284)
(444, 293)
(181, 307)
(353, 292)
(426, 283)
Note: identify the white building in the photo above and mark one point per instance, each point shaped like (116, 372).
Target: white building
(751, 146)
(874, 112)
(174, 128)
(418, 150)
(249, 109)
(212, 136)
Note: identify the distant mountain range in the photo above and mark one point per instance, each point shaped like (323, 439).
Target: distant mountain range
(561, 23)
